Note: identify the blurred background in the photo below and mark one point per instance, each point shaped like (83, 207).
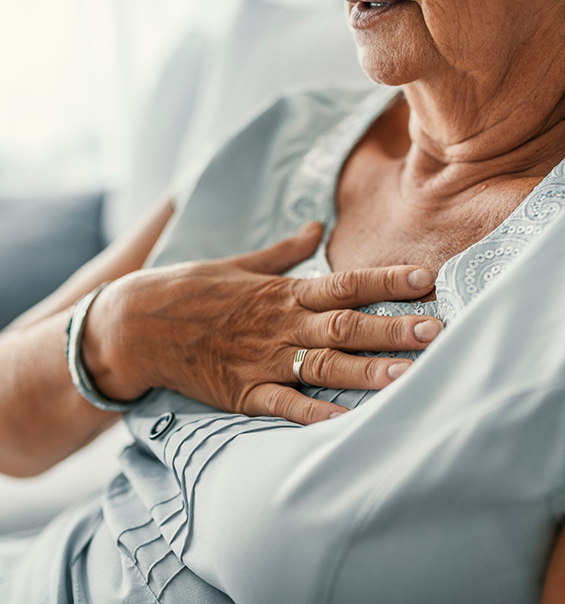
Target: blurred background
(103, 103)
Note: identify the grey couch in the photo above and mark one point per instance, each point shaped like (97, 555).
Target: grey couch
(203, 92)
(42, 242)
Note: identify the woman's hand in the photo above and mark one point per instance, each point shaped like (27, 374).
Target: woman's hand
(225, 332)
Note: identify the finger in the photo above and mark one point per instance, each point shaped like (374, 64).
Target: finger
(334, 369)
(282, 401)
(353, 330)
(285, 254)
(349, 289)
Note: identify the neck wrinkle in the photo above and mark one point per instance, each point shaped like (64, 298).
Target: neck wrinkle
(450, 155)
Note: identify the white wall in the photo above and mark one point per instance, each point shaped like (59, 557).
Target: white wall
(74, 75)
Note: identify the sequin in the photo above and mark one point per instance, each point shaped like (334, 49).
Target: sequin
(310, 195)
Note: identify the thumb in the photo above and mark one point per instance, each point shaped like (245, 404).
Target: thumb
(285, 254)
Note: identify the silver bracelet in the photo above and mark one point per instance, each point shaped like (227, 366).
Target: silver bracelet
(79, 375)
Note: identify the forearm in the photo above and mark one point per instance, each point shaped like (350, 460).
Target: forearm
(43, 419)
(177, 327)
(281, 515)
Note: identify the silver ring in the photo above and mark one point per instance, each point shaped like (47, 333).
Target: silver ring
(297, 366)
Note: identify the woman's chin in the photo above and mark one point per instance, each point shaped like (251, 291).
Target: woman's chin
(399, 55)
(388, 74)
(391, 70)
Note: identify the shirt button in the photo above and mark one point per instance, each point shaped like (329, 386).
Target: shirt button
(162, 425)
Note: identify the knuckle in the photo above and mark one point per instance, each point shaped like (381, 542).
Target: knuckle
(343, 285)
(239, 406)
(276, 298)
(342, 324)
(321, 365)
(282, 403)
(202, 268)
(373, 371)
(293, 290)
(308, 412)
(241, 402)
(396, 332)
(276, 403)
(388, 281)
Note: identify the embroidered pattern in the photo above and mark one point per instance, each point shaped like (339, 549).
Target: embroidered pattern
(311, 190)
(462, 278)
(465, 276)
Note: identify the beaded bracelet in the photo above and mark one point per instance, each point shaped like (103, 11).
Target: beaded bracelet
(79, 375)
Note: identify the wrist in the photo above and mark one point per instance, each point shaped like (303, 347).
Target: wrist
(104, 352)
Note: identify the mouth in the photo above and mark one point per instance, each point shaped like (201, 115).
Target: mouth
(364, 15)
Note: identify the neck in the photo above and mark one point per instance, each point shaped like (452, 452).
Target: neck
(467, 129)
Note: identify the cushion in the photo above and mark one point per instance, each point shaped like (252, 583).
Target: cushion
(42, 242)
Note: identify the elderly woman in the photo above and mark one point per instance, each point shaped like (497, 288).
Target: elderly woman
(449, 486)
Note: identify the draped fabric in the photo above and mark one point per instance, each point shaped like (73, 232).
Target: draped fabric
(448, 486)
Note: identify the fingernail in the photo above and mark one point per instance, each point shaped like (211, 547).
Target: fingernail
(421, 278)
(338, 414)
(426, 331)
(396, 370)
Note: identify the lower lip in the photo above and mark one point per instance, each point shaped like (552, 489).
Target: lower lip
(362, 16)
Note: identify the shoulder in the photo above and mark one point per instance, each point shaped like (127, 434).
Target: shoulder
(298, 114)
(227, 202)
(313, 108)
(333, 98)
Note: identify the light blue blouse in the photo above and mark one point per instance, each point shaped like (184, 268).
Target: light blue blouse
(448, 486)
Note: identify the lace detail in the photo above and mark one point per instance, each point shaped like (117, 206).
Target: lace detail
(311, 196)
(311, 190)
(465, 276)
(392, 309)
(462, 278)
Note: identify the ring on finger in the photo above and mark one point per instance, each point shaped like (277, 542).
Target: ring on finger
(297, 366)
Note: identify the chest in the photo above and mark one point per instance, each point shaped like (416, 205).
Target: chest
(380, 224)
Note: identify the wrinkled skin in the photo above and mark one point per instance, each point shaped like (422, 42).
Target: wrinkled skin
(485, 90)
(226, 332)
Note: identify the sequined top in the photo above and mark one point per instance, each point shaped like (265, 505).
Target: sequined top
(312, 195)
(448, 486)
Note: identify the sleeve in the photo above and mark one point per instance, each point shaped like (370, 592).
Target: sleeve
(231, 199)
(273, 512)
